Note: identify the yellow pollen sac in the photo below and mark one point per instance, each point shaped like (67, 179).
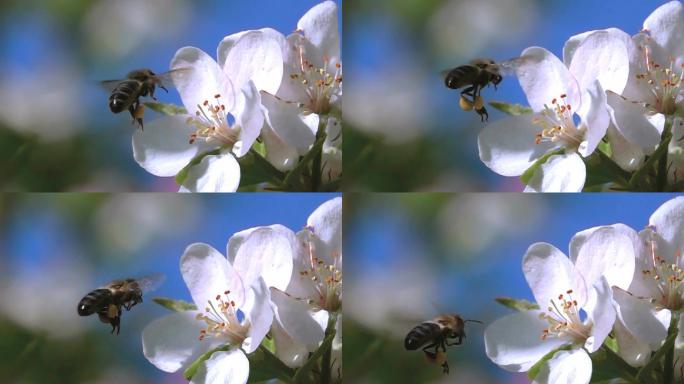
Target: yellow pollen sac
(465, 104)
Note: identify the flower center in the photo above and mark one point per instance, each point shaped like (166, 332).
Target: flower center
(319, 85)
(557, 124)
(213, 125)
(668, 278)
(564, 319)
(327, 279)
(222, 321)
(664, 82)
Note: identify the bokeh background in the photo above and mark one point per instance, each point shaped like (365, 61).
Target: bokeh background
(404, 130)
(411, 257)
(55, 248)
(56, 130)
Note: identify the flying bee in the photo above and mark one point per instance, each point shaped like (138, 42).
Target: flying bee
(126, 93)
(435, 334)
(108, 300)
(476, 76)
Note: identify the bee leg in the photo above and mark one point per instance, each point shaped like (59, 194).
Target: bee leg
(138, 113)
(431, 355)
(460, 340)
(484, 116)
(445, 368)
(116, 324)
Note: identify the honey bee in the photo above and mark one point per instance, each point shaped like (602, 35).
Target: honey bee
(435, 334)
(476, 76)
(108, 300)
(126, 93)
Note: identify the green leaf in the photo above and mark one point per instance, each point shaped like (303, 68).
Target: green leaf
(511, 109)
(166, 109)
(534, 370)
(517, 304)
(529, 172)
(183, 173)
(174, 305)
(607, 364)
(263, 365)
(192, 369)
(255, 169)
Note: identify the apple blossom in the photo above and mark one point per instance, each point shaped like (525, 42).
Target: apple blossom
(570, 112)
(577, 311)
(225, 115)
(308, 102)
(234, 311)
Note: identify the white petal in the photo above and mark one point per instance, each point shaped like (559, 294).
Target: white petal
(296, 318)
(266, 252)
(668, 221)
(566, 367)
(289, 351)
(279, 153)
(286, 120)
(544, 77)
(595, 117)
(319, 26)
(514, 342)
(203, 81)
(634, 352)
(259, 313)
(627, 155)
(171, 342)
(560, 173)
(215, 173)
(602, 56)
(571, 45)
(163, 148)
(255, 56)
(640, 319)
(207, 274)
(666, 28)
(550, 273)
(223, 367)
(600, 314)
(508, 146)
(326, 223)
(635, 124)
(608, 251)
(249, 116)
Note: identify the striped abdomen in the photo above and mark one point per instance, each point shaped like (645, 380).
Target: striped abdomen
(462, 76)
(421, 335)
(94, 301)
(124, 94)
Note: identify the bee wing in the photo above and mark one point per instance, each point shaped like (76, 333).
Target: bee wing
(167, 78)
(150, 282)
(509, 67)
(109, 85)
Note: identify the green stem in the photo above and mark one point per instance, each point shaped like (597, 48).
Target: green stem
(326, 361)
(275, 176)
(661, 175)
(282, 368)
(316, 164)
(658, 156)
(668, 365)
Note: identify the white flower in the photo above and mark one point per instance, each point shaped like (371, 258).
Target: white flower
(234, 310)
(311, 90)
(576, 306)
(315, 291)
(654, 88)
(657, 288)
(225, 113)
(556, 94)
